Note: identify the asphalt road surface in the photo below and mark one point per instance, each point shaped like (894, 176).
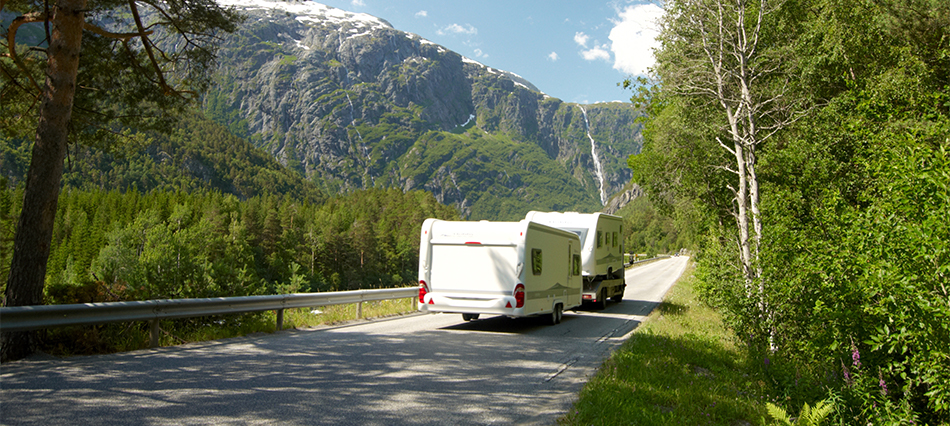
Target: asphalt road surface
(407, 370)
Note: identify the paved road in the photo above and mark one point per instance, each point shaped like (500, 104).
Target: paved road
(414, 369)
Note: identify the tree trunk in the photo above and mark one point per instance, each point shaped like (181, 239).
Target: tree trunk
(31, 245)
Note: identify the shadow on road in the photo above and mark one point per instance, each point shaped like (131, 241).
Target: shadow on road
(582, 322)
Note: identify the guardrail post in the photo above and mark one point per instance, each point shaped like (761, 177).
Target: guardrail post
(280, 319)
(153, 333)
(359, 310)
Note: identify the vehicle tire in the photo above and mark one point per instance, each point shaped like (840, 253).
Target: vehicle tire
(557, 314)
(469, 317)
(617, 298)
(601, 301)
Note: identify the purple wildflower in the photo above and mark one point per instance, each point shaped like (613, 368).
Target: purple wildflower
(855, 355)
(847, 374)
(881, 383)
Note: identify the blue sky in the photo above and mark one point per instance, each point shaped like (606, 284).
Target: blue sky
(575, 50)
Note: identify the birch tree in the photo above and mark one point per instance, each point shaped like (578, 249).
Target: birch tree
(104, 68)
(729, 56)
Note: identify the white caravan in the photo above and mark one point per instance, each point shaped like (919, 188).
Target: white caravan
(601, 237)
(516, 269)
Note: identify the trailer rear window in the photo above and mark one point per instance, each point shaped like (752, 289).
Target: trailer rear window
(536, 261)
(576, 266)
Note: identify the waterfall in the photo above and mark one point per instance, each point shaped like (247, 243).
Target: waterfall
(598, 167)
(353, 117)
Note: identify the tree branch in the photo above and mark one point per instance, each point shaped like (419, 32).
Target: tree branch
(148, 49)
(726, 168)
(11, 43)
(731, 151)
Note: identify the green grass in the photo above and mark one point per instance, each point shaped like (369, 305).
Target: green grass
(305, 318)
(680, 367)
(297, 318)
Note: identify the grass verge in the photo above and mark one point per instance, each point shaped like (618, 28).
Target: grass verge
(306, 317)
(681, 366)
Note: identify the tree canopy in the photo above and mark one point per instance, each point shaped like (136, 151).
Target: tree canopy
(141, 61)
(854, 194)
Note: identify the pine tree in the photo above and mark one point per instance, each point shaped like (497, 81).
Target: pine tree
(73, 61)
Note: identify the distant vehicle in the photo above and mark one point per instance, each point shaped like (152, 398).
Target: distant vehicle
(601, 237)
(517, 269)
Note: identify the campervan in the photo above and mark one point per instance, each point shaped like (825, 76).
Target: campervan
(516, 269)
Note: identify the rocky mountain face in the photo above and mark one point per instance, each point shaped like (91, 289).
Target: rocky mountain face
(351, 102)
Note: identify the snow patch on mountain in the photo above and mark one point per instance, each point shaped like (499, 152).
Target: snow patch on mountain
(472, 61)
(313, 12)
(424, 41)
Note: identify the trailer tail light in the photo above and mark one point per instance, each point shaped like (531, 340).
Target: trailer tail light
(422, 291)
(519, 296)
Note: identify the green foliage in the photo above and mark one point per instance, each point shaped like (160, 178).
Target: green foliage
(9, 207)
(855, 206)
(859, 236)
(648, 231)
(113, 246)
(809, 416)
(198, 155)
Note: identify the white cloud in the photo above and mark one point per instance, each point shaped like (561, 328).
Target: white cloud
(581, 39)
(633, 38)
(458, 29)
(422, 14)
(479, 54)
(358, 3)
(596, 52)
(553, 56)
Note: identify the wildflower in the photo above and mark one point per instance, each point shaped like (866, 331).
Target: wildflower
(881, 382)
(855, 355)
(847, 374)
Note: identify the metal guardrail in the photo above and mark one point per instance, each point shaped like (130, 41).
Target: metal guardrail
(652, 259)
(22, 318)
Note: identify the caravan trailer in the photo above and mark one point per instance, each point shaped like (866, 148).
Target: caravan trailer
(601, 237)
(516, 269)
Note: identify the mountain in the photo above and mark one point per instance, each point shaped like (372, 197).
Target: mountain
(197, 156)
(351, 102)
